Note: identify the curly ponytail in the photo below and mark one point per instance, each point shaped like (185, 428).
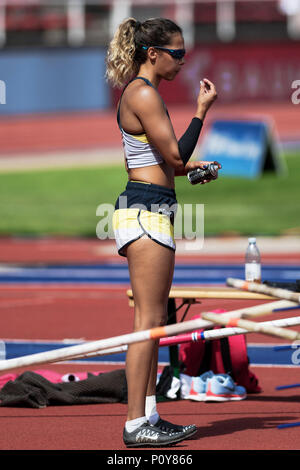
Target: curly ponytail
(125, 53)
(120, 63)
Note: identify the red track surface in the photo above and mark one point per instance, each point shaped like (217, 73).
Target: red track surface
(24, 134)
(66, 250)
(247, 425)
(98, 312)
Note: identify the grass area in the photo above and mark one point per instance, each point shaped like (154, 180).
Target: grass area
(64, 201)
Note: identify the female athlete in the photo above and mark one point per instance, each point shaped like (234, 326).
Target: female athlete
(140, 56)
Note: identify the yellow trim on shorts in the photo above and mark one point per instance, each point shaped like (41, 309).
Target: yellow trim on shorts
(125, 219)
(153, 222)
(131, 224)
(136, 181)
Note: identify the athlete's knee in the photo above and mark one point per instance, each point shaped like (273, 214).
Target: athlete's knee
(152, 320)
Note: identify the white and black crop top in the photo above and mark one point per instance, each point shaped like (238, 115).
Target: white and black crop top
(138, 151)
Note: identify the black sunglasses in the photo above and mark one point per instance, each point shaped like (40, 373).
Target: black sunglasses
(175, 53)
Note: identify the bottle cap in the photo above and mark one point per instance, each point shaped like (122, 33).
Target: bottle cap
(252, 240)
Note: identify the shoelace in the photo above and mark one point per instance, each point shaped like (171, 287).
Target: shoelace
(169, 429)
(165, 426)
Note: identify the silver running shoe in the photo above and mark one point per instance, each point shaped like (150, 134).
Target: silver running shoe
(151, 436)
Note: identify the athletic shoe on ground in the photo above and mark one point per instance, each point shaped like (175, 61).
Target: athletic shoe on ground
(148, 435)
(166, 426)
(221, 387)
(198, 387)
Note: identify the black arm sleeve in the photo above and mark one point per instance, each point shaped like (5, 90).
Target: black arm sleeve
(188, 141)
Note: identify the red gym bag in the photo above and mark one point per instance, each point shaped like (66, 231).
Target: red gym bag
(225, 355)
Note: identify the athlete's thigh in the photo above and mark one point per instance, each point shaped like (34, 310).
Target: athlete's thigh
(151, 268)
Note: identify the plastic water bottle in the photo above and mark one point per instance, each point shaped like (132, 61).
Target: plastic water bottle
(252, 262)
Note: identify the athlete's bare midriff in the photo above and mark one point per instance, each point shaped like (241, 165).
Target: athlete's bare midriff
(162, 175)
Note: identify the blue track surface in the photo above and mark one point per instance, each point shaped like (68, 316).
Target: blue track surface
(259, 354)
(118, 274)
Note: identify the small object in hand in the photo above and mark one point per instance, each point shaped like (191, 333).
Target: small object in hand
(210, 172)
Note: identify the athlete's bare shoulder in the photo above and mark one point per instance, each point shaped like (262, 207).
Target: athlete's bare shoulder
(142, 97)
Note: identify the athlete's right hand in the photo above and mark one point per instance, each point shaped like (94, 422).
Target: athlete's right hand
(207, 95)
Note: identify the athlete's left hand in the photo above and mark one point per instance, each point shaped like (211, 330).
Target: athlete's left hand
(200, 164)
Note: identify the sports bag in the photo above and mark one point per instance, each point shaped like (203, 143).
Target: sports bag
(225, 355)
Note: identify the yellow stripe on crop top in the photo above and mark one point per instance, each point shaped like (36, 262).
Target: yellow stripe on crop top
(141, 137)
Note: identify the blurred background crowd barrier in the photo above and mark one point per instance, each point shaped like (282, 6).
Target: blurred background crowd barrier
(53, 92)
(52, 55)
